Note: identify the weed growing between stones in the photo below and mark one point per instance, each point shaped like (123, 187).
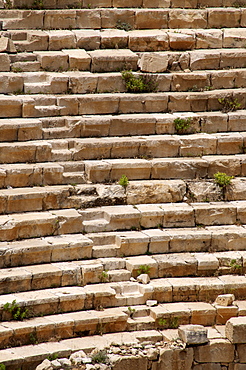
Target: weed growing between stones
(2, 367)
(124, 181)
(104, 277)
(17, 312)
(38, 4)
(131, 312)
(143, 269)
(229, 104)
(144, 83)
(182, 125)
(222, 179)
(100, 357)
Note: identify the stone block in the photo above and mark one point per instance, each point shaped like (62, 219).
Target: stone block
(193, 334)
(153, 62)
(87, 18)
(147, 19)
(235, 329)
(148, 40)
(113, 60)
(217, 350)
(78, 59)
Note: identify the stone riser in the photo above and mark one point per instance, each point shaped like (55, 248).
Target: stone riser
(47, 106)
(136, 41)
(134, 19)
(85, 83)
(61, 4)
(122, 125)
(154, 146)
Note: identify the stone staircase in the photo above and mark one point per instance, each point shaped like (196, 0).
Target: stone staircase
(73, 237)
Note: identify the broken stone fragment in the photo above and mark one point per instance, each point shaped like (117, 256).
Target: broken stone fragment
(143, 278)
(7, 45)
(193, 334)
(225, 299)
(151, 303)
(153, 62)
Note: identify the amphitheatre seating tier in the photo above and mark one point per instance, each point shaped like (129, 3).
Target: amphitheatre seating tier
(115, 224)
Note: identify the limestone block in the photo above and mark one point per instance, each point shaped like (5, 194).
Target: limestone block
(62, 19)
(191, 18)
(202, 313)
(142, 103)
(10, 107)
(207, 263)
(234, 285)
(148, 40)
(136, 266)
(53, 60)
(197, 145)
(178, 215)
(204, 59)
(7, 45)
(184, 4)
(234, 58)
(209, 39)
(190, 81)
(112, 60)
(10, 82)
(114, 39)
(153, 62)
(134, 169)
(194, 240)
(225, 313)
(193, 334)
(175, 168)
(78, 59)
(118, 18)
(221, 79)
(59, 40)
(175, 359)
(181, 264)
(156, 18)
(87, 39)
(235, 329)
(87, 18)
(110, 82)
(159, 241)
(132, 243)
(181, 40)
(233, 38)
(217, 350)
(98, 104)
(230, 18)
(4, 62)
(228, 143)
(241, 353)
(82, 83)
(213, 121)
(214, 213)
(27, 19)
(150, 215)
(36, 40)
(227, 164)
(162, 290)
(19, 279)
(224, 238)
(123, 362)
(185, 289)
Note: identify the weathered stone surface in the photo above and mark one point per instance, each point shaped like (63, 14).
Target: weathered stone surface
(193, 334)
(235, 329)
(153, 62)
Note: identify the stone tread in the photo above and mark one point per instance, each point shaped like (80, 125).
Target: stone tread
(62, 42)
(30, 106)
(162, 18)
(87, 82)
(111, 320)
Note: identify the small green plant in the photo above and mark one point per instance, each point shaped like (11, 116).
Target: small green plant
(38, 4)
(143, 83)
(33, 338)
(124, 181)
(123, 26)
(17, 312)
(104, 277)
(229, 104)
(236, 267)
(8, 5)
(53, 356)
(182, 125)
(222, 179)
(131, 312)
(162, 322)
(143, 269)
(100, 357)
(2, 367)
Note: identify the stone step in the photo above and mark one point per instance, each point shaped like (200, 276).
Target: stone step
(110, 170)
(63, 43)
(15, 129)
(120, 103)
(87, 82)
(36, 224)
(123, 19)
(202, 58)
(30, 356)
(111, 320)
(61, 4)
(153, 146)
